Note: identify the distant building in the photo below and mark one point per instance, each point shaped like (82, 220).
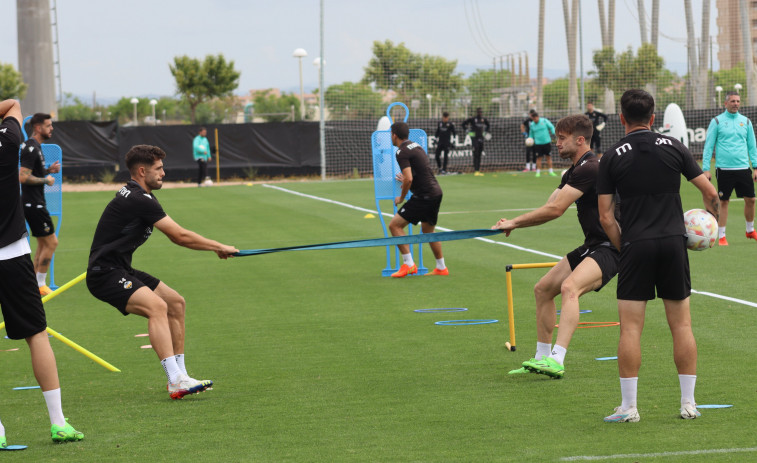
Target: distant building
(730, 50)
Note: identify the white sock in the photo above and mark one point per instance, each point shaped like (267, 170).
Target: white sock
(543, 349)
(558, 353)
(688, 382)
(407, 259)
(721, 232)
(750, 226)
(440, 264)
(551, 171)
(41, 279)
(173, 373)
(54, 407)
(2, 429)
(538, 170)
(628, 391)
(180, 362)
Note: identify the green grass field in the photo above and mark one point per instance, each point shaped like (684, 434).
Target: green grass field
(317, 358)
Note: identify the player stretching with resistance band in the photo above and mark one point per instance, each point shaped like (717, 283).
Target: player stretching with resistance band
(588, 267)
(125, 225)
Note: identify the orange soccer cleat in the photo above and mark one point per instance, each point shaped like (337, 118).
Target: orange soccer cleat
(442, 272)
(752, 234)
(722, 242)
(44, 290)
(405, 270)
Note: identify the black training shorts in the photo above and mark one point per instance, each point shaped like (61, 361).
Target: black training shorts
(116, 285)
(39, 220)
(421, 210)
(661, 263)
(542, 150)
(739, 180)
(20, 301)
(605, 255)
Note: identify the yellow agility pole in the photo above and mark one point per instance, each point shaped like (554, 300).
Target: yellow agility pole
(82, 350)
(510, 308)
(64, 339)
(64, 287)
(218, 161)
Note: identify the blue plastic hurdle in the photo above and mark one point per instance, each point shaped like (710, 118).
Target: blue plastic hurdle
(386, 186)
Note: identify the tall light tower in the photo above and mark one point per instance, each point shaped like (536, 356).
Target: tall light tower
(35, 55)
(300, 53)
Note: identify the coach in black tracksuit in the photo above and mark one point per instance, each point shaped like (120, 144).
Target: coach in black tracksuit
(597, 119)
(478, 125)
(445, 130)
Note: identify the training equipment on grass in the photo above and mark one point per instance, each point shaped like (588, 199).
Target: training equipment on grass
(594, 324)
(580, 311)
(389, 241)
(606, 358)
(385, 184)
(456, 309)
(701, 229)
(529, 141)
(714, 406)
(25, 388)
(64, 339)
(475, 321)
(54, 193)
(510, 310)
(13, 447)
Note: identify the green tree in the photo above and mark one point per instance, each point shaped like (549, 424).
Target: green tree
(625, 70)
(349, 100)
(555, 96)
(275, 108)
(727, 78)
(479, 86)
(74, 109)
(198, 82)
(393, 67)
(11, 83)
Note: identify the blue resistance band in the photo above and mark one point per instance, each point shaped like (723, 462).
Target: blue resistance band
(389, 241)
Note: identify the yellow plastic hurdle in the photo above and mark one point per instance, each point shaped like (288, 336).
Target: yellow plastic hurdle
(510, 309)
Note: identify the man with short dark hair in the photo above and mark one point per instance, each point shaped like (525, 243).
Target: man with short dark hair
(20, 301)
(644, 168)
(445, 130)
(542, 131)
(731, 135)
(478, 126)
(201, 154)
(589, 267)
(416, 176)
(598, 120)
(33, 176)
(126, 224)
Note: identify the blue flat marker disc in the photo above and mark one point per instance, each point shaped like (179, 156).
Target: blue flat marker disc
(580, 311)
(606, 358)
(23, 388)
(466, 322)
(452, 309)
(14, 447)
(714, 406)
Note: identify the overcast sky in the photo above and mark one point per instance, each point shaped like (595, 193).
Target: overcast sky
(123, 48)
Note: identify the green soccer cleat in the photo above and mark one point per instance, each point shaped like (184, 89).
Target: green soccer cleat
(546, 366)
(3, 442)
(65, 433)
(518, 371)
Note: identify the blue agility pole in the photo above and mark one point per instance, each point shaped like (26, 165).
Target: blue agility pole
(385, 184)
(54, 193)
(389, 241)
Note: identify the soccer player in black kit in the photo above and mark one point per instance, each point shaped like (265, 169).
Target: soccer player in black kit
(33, 176)
(20, 300)
(423, 206)
(445, 130)
(126, 224)
(587, 268)
(598, 120)
(478, 125)
(645, 169)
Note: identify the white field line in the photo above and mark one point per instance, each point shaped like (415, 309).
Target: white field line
(659, 454)
(485, 240)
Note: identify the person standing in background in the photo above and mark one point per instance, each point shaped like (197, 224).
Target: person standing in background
(445, 130)
(201, 152)
(478, 126)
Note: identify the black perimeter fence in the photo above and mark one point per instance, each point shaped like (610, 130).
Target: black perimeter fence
(93, 149)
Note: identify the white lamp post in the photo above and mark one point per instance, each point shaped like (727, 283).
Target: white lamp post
(428, 97)
(134, 101)
(738, 88)
(719, 89)
(154, 102)
(300, 53)
(317, 64)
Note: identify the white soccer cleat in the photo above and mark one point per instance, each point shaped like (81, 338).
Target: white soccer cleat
(689, 411)
(624, 416)
(186, 386)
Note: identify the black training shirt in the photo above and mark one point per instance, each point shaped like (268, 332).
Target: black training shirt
(33, 159)
(444, 132)
(645, 168)
(424, 186)
(583, 177)
(12, 225)
(124, 226)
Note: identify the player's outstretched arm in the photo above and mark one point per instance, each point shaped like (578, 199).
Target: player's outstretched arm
(189, 239)
(559, 202)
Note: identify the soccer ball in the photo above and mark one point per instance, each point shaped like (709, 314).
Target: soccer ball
(208, 182)
(701, 229)
(529, 141)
